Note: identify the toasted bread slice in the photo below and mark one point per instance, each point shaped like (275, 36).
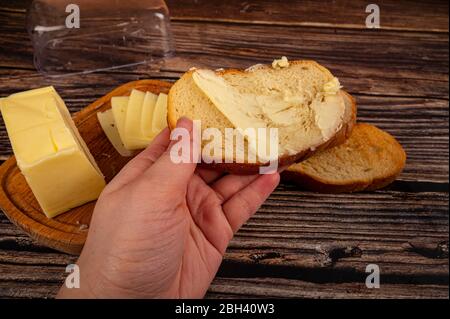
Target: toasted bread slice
(309, 118)
(369, 160)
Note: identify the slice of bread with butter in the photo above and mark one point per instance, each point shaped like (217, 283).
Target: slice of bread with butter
(301, 99)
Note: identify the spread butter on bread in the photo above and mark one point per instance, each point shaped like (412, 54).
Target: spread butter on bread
(302, 99)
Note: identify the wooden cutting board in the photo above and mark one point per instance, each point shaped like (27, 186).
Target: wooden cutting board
(67, 232)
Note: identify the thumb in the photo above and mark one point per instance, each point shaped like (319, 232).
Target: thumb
(177, 164)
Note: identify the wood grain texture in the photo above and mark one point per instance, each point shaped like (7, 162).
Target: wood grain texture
(285, 288)
(395, 15)
(67, 232)
(300, 244)
(375, 62)
(403, 15)
(310, 244)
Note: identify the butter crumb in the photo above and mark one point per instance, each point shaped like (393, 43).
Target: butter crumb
(332, 87)
(255, 67)
(281, 63)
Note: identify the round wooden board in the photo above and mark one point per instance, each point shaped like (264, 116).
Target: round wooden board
(67, 232)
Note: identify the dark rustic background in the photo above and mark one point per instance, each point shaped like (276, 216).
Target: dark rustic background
(300, 244)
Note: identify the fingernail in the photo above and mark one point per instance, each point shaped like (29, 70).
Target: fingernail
(185, 123)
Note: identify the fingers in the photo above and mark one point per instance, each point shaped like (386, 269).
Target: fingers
(229, 185)
(281, 169)
(208, 176)
(137, 166)
(206, 211)
(241, 206)
(177, 164)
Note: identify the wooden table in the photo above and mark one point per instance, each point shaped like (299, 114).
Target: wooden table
(300, 244)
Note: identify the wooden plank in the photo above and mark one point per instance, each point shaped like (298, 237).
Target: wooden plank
(395, 15)
(39, 275)
(234, 288)
(312, 237)
(20, 290)
(27, 274)
(415, 64)
(226, 288)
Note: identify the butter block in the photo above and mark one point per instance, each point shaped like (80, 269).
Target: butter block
(50, 152)
(160, 114)
(148, 109)
(109, 126)
(133, 137)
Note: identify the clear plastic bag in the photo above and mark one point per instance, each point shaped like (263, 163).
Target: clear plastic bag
(86, 36)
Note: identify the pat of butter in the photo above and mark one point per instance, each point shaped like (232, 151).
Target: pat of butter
(50, 152)
(332, 87)
(109, 126)
(281, 63)
(133, 138)
(329, 113)
(148, 108)
(160, 114)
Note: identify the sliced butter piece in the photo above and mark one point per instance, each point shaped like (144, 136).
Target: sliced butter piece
(119, 108)
(109, 126)
(160, 115)
(133, 137)
(148, 109)
(50, 152)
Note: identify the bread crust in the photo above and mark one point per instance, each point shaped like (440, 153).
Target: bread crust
(254, 168)
(309, 182)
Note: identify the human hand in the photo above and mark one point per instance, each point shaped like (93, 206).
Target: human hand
(160, 229)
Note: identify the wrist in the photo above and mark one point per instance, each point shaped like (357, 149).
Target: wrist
(83, 287)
